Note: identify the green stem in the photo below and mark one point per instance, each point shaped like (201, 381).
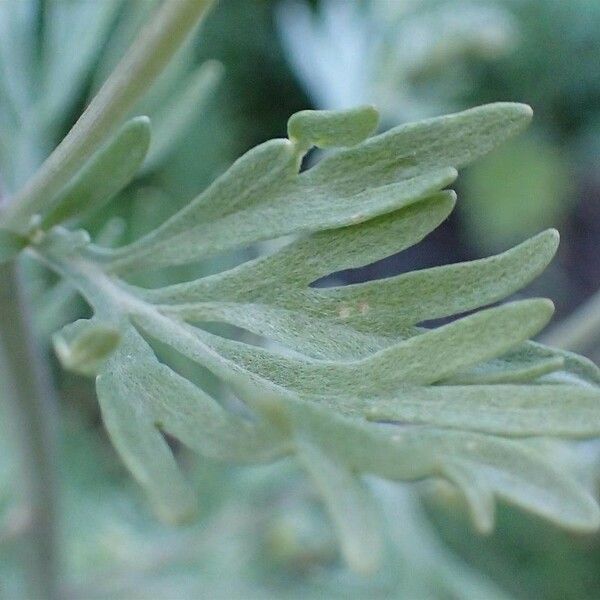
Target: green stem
(579, 330)
(136, 72)
(30, 393)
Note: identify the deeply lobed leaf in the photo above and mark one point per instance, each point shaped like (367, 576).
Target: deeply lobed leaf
(359, 386)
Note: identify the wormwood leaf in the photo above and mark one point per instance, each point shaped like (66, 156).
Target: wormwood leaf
(140, 397)
(269, 296)
(262, 195)
(310, 257)
(106, 173)
(131, 426)
(357, 384)
(422, 359)
(349, 505)
(479, 497)
(330, 128)
(83, 346)
(511, 410)
(511, 470)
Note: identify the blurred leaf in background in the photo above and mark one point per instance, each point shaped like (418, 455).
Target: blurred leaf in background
(511, 194)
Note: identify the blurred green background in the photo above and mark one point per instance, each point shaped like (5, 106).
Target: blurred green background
(262, 533)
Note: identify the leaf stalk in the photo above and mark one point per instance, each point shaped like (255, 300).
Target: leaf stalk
(32, 404)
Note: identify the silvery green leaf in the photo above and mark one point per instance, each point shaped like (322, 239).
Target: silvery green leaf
(309, 258)
(188, 413)
(331, 128)
(511, 410)
(275, 212)
(532, 361)
(578, 366)
(509, 469)
(518, 366)
(423, 359)
(349, 186)
(131, 424)
(441, 291)
(419, 547)
(140, 397)
(351, 508)
(524, 477)
(360, 385)
(106, 173)
(362, 318)
(478, 496)
(84, 346)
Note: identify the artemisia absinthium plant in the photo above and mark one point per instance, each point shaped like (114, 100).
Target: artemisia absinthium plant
(351, 384)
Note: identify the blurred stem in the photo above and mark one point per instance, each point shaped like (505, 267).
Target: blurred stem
(31, 395)
(139, 68)
(579, 330)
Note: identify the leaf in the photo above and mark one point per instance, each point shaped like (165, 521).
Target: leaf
(509, 469)
(306, 209)
(423, 359)
(349, 186)
(85, 345)
(514, 410)
(351, 509)
(519, 366)
(139, 396)
(331, 129)
(308, 258)
(360, 385)
(361, 318)
(478, 496)
(579, 366)
(106, 173)
(130, 424)
(444, 291)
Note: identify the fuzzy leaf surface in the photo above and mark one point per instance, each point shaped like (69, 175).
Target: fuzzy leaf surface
(347, 378)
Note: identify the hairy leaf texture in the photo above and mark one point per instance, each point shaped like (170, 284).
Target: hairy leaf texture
(351, 382)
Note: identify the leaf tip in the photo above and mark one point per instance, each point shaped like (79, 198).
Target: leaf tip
(526, 110)
(84, 346)
(333, 128)
(586, 518)
(544, 308)
(213, 68)
(140, 128)
(554, 235)
(517, 111)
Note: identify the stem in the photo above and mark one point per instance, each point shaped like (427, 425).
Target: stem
(132, 77)
(30, 392)
(579, 330)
